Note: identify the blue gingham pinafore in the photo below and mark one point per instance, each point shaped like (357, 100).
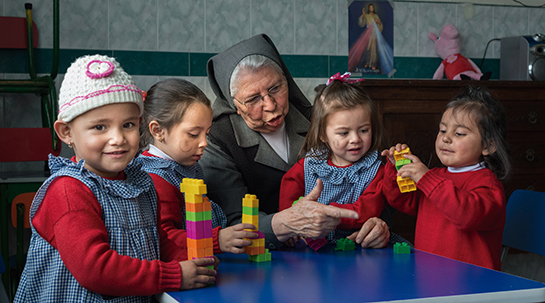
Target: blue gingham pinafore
(129, 211)
(174, 173)
(343, 185)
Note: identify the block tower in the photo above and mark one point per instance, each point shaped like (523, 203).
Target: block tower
(405, 184)
(198, 215)
(250, 214)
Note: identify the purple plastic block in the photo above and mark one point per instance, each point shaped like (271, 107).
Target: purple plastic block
(316, 243)
(207, 228)
(195, 230)
(260, 235)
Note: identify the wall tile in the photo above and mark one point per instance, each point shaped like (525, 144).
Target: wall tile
(509, 22)
(83, 24)
(536, 21)
(342, 28)
(42, 12)
(181, 25)
(405, 29)
(276, 19)
(475, 32)
(145, 82)
(307, 86)
(315, 27)
(227, 23)
(432, 17)
(133, 24)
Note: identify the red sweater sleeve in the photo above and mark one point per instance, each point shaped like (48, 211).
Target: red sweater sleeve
(370, 204)
(404, 202)
(70, 219)
(293, 185)
(170, 200)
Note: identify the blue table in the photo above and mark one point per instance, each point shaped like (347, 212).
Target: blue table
(363, 275)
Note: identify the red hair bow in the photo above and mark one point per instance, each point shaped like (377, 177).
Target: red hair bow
(343, 78)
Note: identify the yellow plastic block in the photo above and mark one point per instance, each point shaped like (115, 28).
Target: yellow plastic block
(250, 201)
(251, 220)
(399, 155)
(193, 186)
(406, 184)
(195, 199)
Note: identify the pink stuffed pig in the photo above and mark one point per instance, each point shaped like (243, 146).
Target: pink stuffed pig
(454, 65)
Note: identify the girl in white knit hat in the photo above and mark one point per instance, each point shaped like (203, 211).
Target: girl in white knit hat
(95, 235)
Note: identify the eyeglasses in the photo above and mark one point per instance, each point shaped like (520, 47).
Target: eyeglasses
(274, 92)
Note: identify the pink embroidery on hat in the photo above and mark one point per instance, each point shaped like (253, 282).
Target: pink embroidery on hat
(111, 89)
(99, 69)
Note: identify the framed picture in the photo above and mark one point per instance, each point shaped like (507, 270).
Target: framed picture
(370, 37)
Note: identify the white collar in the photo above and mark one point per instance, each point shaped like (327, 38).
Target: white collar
(466, 168)
(154, 150)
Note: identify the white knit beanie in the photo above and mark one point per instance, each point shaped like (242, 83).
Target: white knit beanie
(94, 81)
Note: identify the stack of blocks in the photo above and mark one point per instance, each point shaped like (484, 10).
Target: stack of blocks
(250, 214)
(405, 184)
(198, 214)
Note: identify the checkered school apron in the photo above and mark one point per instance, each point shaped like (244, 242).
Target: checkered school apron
(343, 185)
(129, 211)
(174, 173)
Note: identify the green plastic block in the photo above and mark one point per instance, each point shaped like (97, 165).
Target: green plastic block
(250, 211)
(402, 248)
(195, 216)
(345, 244)
(400, 163)
(266, 257)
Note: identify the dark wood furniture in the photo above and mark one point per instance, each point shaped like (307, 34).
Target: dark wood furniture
(411, 111)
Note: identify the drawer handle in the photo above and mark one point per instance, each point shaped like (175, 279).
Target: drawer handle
(530, 155)
(532, 117)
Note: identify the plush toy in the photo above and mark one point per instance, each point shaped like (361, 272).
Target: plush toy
(454, 65)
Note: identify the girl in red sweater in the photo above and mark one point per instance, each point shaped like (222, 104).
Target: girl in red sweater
(341, 150)
(95, 231)
(460, 208)
(177, 118)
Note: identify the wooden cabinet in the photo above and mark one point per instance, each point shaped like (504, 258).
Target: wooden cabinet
(411, 111)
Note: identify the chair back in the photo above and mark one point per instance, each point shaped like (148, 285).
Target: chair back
(525, 224)
(13, 33)
(26, 144)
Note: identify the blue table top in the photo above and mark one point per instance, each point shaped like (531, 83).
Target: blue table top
(362, 275)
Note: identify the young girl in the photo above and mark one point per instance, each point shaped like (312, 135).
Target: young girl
(460, 208)
(177, 117)
(95, 234)
(341, 150)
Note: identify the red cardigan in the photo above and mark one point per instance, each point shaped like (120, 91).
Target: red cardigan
(70, 219)
(459, 215)
(370, 204)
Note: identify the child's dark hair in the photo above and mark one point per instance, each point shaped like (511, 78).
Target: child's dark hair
(489, 116)
(337, 96)
(166, 102)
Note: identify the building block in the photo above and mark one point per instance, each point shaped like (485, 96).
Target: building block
(265, 257)
(194, 207)
(316, 244)
(405, 184)
(250, 201)
(402, 248)
(193, 187)
(345, 244)
(250, 211)
(251, 220)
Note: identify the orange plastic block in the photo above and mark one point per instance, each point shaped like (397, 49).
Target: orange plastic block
(200, 243)
(254, 250)
(406, 184)
(206, 205)
(194, 207)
